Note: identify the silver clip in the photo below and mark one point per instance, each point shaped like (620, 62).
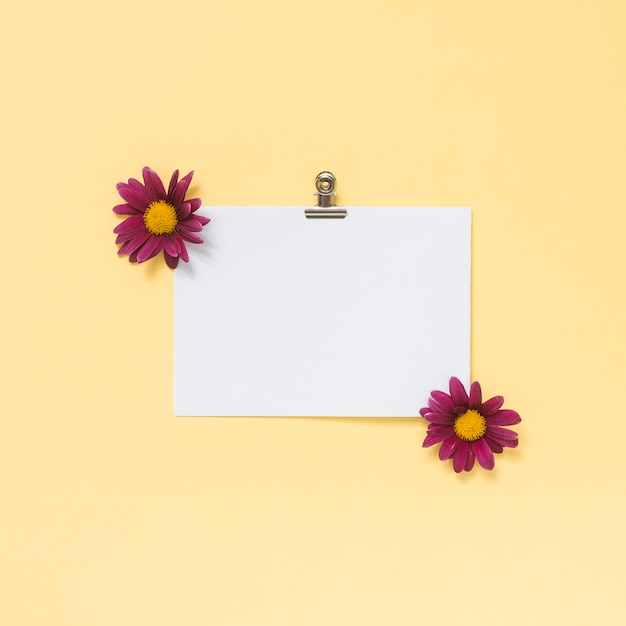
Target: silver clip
(325, 185)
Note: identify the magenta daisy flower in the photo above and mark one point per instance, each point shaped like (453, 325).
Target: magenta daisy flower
(159, 220)
(468, 428)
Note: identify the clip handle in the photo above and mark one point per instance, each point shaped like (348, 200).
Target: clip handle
(325, 185)
(325, 191)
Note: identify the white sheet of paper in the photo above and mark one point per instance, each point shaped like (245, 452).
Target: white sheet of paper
(279, 315)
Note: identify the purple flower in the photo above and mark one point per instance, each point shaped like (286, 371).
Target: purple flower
(158, 220)
(468, 428)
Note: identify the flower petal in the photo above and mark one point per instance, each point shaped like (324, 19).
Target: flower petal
(140, 188)
(469, 462)
(503, 433)
(475, 396)
(491, 406)
(133, 245)
(178, 196)
(192, 224)
(505, 417)
(183, 210)
(443, 398)
(436, 407)
(433, 439)
(483, 453)
(187, 236)
(153, 184)
(182, 251)
(437, 429)
(458, 393)
(125, 209)
(494, 445)
(172, 261)
(503, 436)
(152, 247)
(438, 418)
(176, 241)
(134, 198)
(172, 186)
(124, 237)
(170, 246)
(130, 224)
(195, 203)
(460, 458)
(448, 447)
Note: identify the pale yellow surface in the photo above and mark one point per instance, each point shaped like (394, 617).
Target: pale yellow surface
(115, 512)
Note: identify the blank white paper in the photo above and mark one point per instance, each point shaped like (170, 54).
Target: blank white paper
(279, 315)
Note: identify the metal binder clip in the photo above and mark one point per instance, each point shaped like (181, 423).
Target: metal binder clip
(325, 185)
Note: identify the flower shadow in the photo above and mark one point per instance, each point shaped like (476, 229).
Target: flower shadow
(155, 268)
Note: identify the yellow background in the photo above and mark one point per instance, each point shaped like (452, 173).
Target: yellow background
(116, 512)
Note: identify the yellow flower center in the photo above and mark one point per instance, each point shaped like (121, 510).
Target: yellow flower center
(160, 218)
(470, 426)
